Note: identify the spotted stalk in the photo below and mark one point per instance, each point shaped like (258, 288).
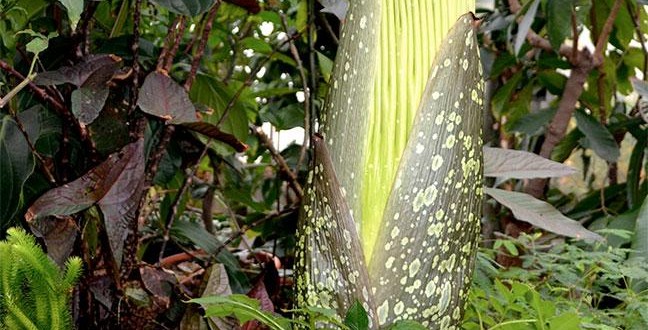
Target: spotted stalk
(400, 159)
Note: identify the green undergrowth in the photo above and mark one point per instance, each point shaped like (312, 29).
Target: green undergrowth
(34, 292)
(558, 286)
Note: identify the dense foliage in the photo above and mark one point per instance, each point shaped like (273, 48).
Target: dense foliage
(149, 139)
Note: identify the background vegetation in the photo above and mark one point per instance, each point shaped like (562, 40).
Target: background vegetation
(102, 155)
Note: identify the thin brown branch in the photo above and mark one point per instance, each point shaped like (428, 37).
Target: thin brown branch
(329, 29)
(179, 33)
(250, 79)
(135, 50)
(284, 169)
(602, 41)
(161, 62)
(307, 97)
(198, 54)
(48, 174)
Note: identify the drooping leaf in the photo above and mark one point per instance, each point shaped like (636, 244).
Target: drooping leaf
(243, 308)
(540, 214)
(115, 186)
(87, 103)
(217, 285)
(259, 293)
(558, 21)
(423, 257)
(356, 317)
(59, 235)
(103, 65)
(162, 97)
(213, 132)
(74, 9)
(186, 7)
(507, 163)
(525, 25)
(598, 136)
(119, 205)
(331, 271)
(336, 7)
(16, 164)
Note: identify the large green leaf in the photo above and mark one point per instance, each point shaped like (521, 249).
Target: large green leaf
(423, 258)
(161, 96)
(186, 7)
(558, 21)
(540, 214)
(599, 137)
(16, 164)
(74, 9)
(507, 163)
(331, 271)
(525, 25)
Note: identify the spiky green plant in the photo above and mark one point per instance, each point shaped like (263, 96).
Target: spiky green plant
(34, 292)
(397, 171)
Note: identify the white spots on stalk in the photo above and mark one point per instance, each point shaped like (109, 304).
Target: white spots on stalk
(404, 241)
(435, 229)
(419, 148)
(444, 300)
(390, 262)
(347, 66)
(474, 96)
(450, 142)
(439, 214)
(396, 216)
(447, 62)
(383, 311)
(437, 161)
(464, 64)
(394, 233)
(414, 267)
(469, 37)
(345, 77)
(425, 197)
(399, 308)
(363, 22)
(436, 95)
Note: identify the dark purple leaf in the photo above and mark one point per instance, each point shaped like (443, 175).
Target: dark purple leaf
(59, 234)
(162, 97)
(105, 65)
(213, 132)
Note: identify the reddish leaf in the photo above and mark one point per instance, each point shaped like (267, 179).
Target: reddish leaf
(115, 186)
(214, 132)
(77, 74)
(250, 5)
(259, 293)
(162, 97)
(59, 235)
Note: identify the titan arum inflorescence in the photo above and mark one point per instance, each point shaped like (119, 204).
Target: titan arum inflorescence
(397, 169)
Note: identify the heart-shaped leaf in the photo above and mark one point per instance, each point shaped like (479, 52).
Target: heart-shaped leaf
(104, 65)
(540, 214)
(507, 163)
(162, 97)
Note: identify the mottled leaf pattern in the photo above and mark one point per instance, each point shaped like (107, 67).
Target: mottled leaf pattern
(516, 164)
(331, 267)
(423, 259)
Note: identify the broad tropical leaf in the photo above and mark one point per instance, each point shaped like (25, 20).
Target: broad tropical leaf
(16, 164)
(507, 163)
(103, 64)
(423, 259)
(114, 185)
(599, 137)
(331, 269)
(162, 97)
(540, 214)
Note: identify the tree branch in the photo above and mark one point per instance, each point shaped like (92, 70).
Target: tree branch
(284, 169)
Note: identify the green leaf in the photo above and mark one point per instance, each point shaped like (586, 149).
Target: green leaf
(186, 7)
(540, 214)
(162, 97)
(565, 321)
(518, 164)
(407, 325)
(504, 93)
(74, 9)
(16, 164)
(325, 66)
(533, 123)
(256, 45)
(216, 95)
(558, 21)
(356, 317)
(598, 136)
(39, 42)
(284, 118)
(525, 25)
(242, 307)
